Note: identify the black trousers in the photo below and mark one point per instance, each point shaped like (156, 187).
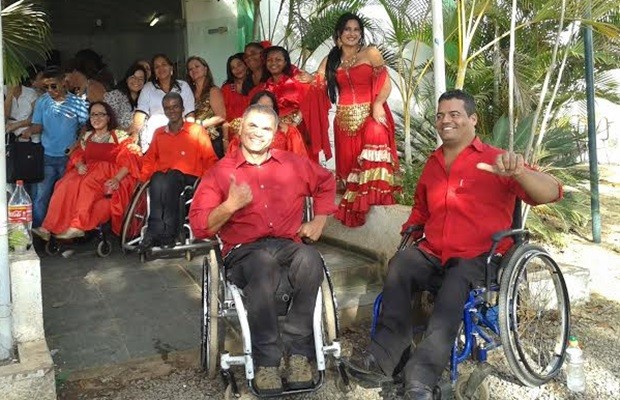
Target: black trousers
(165, 208)
(410, 271)
(257, 269)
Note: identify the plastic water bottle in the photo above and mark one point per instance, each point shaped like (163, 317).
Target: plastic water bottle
(575, 375)
(20, 219)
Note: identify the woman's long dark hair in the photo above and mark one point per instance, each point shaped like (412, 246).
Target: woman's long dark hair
(265, 74)
(266, 93)
(287, 58)
(122, 85)
(174, 82)
(248, 83)
(335, 54)
(209, 77)
(112, 122)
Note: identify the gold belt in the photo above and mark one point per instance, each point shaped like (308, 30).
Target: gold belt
(350, 118)
(293, 118)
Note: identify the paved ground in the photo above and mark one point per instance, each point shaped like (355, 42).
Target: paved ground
(104, 311)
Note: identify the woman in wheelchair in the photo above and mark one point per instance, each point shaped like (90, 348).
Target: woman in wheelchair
(466, 193)
(180, 153)
(101, 174)
(254, 200)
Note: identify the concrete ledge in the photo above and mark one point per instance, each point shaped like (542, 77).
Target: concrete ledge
(378, 237)
(577, 282)
(30, 378)
(26, 297)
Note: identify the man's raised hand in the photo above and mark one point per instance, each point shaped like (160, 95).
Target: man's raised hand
(239, 195)
(506, 164)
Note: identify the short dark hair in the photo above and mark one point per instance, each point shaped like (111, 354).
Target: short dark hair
(261, 109)
(173, 96)
(468, 100)
(288, 68)
(53, 73)
(266, 93)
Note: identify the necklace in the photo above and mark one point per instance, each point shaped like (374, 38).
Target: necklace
(101, 138)
(346, 64)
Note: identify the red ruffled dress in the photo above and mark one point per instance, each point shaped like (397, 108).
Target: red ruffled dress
(78, 200)
(366, 155)
(235, 104)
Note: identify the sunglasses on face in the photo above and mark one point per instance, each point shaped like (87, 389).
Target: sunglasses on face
(52, 86)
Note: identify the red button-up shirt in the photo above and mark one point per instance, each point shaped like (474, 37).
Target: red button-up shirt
(188, 151)
(461, 209)
(279, 187)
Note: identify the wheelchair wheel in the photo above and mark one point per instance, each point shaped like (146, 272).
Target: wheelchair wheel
(212, 332)
(104, 248)
(52, 247)
(330, 310)
(135, 219)
(534, 314)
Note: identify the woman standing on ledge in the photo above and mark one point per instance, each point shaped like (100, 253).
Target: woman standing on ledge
(366, 157)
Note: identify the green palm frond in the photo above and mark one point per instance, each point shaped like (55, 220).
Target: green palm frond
(25, 33)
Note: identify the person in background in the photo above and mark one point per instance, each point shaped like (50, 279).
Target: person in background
(18, 106)
(254, 200)
(80, 81)
(91, 63)
(210, 109)
(150, 111)
(57, 117)
(365, 147)
(179, 154)
(236, 90)
(253, 56)
(147, 67)
(101, 176)
(124, 99)
(466, 193)
(287, 137)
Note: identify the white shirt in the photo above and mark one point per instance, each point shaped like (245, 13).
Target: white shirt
(150, 103)
(21, 108)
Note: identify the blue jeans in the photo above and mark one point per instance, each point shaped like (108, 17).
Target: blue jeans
(54, 169)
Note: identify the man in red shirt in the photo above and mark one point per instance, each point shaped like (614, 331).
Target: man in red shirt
(254, 200)
(467, 192)
(180, 153)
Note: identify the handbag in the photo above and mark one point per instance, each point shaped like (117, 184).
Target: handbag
(24, 161)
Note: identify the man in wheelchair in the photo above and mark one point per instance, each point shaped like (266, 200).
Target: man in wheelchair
(180, 153)
(254, 200)
(467, 192)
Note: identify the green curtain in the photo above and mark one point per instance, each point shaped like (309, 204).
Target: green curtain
(245, 22)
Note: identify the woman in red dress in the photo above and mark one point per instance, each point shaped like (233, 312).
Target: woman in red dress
(97, 187)
(236, 91)
(366, 157)
(286, 138)
(295, 101)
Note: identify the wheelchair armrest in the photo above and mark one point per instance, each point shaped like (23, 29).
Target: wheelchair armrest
(405, 241)
(498, 236)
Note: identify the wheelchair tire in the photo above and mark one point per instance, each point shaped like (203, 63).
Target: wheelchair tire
(481, 393)
(534, 314)
(135, 218)
(104, 248)
(212, 332)
(52, 247)
(330, 310)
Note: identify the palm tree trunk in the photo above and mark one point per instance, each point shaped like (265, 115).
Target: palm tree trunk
(511, 78)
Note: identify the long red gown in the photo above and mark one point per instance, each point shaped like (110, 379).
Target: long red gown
(365, 150)
(78, 201)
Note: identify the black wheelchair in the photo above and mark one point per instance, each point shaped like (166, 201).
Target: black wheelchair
(224, 313)
(135, 225)
(526, 311)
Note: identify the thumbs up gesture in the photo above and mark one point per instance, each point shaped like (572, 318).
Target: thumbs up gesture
(239, 195)
(506, 164)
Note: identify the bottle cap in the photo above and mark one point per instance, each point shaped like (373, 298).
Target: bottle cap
(572, 340)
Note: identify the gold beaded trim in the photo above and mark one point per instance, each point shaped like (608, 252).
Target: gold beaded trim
(350, 118)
